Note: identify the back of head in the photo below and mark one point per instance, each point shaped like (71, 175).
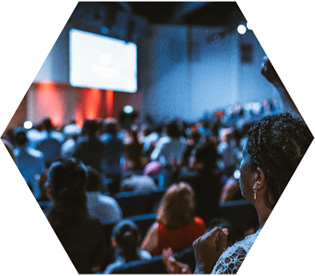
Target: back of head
(277, 144)
(126, 235)
(89, 127)
(47, 124)
(110, 125)
(66, 181)
(206, 154)
(20, 137)
(177, 206)
(172, 130)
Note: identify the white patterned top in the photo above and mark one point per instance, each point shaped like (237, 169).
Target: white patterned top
(233, 257)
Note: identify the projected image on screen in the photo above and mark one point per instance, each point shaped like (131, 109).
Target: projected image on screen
(101, 62)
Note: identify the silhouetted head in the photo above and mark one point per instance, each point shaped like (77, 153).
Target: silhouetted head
(127, 238)
(172, 130)
(47, 124)
(66, 188)
(20, 138)
(89, 127)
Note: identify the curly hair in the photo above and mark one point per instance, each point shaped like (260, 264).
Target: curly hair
(177, 206)
(277, 144)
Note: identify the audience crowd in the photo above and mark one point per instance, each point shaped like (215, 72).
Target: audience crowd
(78, 175)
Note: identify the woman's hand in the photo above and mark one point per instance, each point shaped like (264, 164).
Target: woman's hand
(208, 248)
(172, 265)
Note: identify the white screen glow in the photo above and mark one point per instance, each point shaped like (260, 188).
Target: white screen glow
(101, 62)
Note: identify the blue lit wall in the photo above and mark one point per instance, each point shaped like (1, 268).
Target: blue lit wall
(184, 72)
(188, 72)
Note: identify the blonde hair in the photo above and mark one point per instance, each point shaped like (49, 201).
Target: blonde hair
(177, 207)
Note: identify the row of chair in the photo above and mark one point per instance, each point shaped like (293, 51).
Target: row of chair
(131, 203)
(240, 214)
(138, 203)
(155, 265)
(141, 208)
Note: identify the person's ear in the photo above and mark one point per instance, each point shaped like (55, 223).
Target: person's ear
(259, 178)
(114, 243)
(48, 193)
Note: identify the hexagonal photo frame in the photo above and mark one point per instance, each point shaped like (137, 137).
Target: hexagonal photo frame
(194, 52)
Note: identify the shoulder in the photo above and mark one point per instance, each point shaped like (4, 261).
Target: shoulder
(154, 227)
(35, 153)
(144, 255)
(199, 224)
(81, 141)
(164, 140)
(150, 241)
(119, 262)
(153, 231)
(107, 200)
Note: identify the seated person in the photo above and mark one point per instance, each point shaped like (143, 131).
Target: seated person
(89, 149)
(114, 149)
(30, 162)
(275, 146)
(205, 180)
(139, 183)
(102, 207)
(176, 225)
(133, 152)
(169, 146)
(50, 143)
(81, 236)
(125, 240)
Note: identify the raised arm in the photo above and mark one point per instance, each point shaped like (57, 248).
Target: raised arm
(150, 241)
(269, 72)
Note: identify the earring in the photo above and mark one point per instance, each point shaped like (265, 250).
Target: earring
(255, 194)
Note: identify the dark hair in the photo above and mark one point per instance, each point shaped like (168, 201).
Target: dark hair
(20, 137)
(173, 129)
(277, 144)
(67, 180)
(90, 127)
(206, 154)
(126, 235)
(47, 124)
(110, 125)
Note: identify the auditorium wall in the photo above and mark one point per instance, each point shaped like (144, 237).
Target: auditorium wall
(184, 72)
(192, 71)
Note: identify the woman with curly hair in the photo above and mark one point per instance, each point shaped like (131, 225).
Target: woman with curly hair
(176, 225)
(82, 237)
(275, 146)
